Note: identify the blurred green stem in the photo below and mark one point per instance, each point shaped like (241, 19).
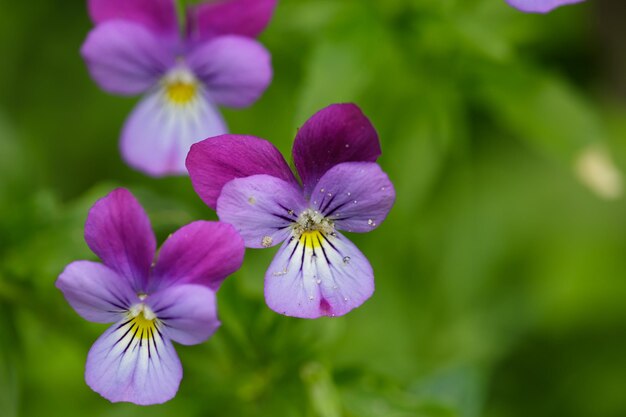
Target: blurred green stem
(321, 388)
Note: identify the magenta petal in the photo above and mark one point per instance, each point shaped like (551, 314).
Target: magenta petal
(95, 291)
(156, 15)
(119, 232)
(317, 276)
(158, 134)
(262, 208)
(215, 161)
(140, 367)
(357, 196)
(339, 133)
(202, 253)
(188, 313)
(539, 6)
(125, 58)
(229, 17)
(234, 69)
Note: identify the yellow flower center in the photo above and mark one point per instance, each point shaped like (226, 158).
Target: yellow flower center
(311, 239)
(181, 92)
(311, 229)
(143, 321)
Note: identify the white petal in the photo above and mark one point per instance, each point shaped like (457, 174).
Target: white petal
(318, 275)
(158, 134)
(133, 362)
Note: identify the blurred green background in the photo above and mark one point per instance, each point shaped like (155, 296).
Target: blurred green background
(500, 273)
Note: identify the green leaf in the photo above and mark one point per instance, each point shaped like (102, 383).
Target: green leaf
(540, 109)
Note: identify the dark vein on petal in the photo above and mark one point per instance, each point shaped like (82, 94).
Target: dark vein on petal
(163, 319)
(132, 339)
(121, 303)
(331, 245)
(322, 202)
(330, 201)
(294, 249)
(163, 308)
(324, 250)
(149, 339)
(125, 333)
(330, 213)
(304, 245)
(156, 349)
(121, 308)
(159, 332)
(280, 216)
(287, 210)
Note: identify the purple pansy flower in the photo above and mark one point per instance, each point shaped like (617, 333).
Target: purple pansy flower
(151, 304)
(317, 271)
(137, 47)
(539, 6)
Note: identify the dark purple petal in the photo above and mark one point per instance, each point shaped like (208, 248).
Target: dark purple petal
(159, 133)
(125, 58)
(215, 161)
(234, 69)
(203, 253)
(357, 196)
(96, 292)
(339, 133)
(262, 208)
(134, 362)
(119, 232)
(318, 275)
(156, 15)
(188, 312)
(539, 6)
(229, 17)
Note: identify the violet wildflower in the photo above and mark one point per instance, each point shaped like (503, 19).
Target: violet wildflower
(539, 6)
(137, 48)
(317, 271)
(150, 303)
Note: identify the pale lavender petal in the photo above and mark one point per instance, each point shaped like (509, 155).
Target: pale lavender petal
(357, 196)
(96, 292)
(234, 69)
(539, 6)
(229, 17)
(262, 208)
(156, 15)
(203, 253)
(188, 313)
(215, 161)
(339, 133)
(125, 58)
(119, 232)
(134, 363)
(318, 275)
(158, 134)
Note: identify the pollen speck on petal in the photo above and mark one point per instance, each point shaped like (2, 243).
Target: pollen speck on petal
(267, 241)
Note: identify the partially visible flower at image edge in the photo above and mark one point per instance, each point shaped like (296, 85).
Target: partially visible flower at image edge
(540, 6)
(151, 303)
(137, 47)
(317, 271)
